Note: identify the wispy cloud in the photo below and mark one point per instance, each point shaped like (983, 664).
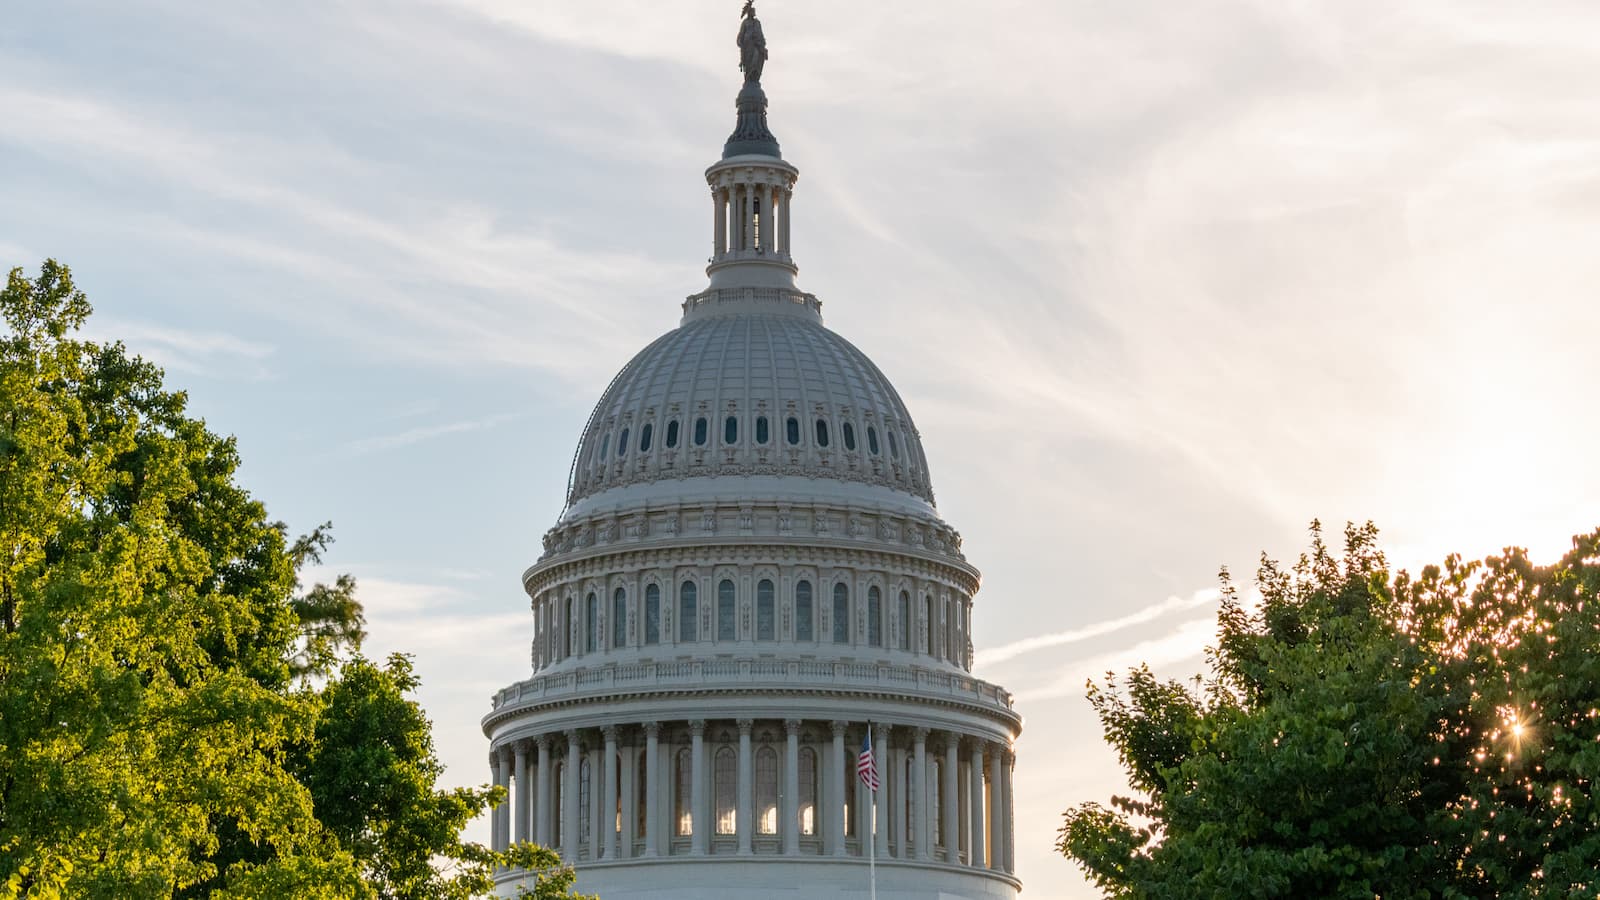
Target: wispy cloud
(1183, 644)
(184, 350)
(418, 435)
(994, 655)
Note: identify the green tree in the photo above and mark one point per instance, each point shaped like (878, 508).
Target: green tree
(1365, 735)
(161, 732)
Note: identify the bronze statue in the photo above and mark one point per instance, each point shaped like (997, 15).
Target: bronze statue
(752, 45)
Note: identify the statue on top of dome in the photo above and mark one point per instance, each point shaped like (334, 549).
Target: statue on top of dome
(752, 45)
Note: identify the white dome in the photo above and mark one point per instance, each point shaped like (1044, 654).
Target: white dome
(750, 389)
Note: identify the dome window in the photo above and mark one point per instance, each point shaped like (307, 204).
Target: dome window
(672, 435)
(605, 445)
(874, 617)
(730, 431)
(766, 612)
(622, 444)
(700, 431)
(849, 436)
(872, 440)
(688, 613)
(841, 614)
(822, 432)
(792, 431)
(803, 612)
(652, 613)
(761, 431)
(645, 436)
(894, 446)
(727, 622)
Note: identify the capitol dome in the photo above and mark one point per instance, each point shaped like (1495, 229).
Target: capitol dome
(748, 592)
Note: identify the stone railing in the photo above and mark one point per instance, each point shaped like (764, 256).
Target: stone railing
(776, 297)
(757, 674)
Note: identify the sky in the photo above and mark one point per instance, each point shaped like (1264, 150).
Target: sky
(1161, 283)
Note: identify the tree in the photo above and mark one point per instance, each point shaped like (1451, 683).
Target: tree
(1365, 735)
(161, 731)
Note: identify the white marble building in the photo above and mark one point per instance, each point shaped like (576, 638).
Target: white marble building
(750, 574)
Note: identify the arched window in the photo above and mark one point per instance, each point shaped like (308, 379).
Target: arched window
(841, 614)
(808, 791)
(927, 610)
(701, 432)
(622, 444)
(804, 615)
(725, 784)
(585, 775)
(947, 624)
(672, 434)
(688, 614)
(762, 434)
(766, 791)
(726, 621)
(872, 440)
(571, 627)
(619, 619)
(905, 620)
(874, 617)
(591, 623)
(645, 435)
(682, 794)
(766, 612)
(557, 786)
(849, 435)
(652, 614)
(730, 430)
(792, 431)
(642, 789)
(822, 432)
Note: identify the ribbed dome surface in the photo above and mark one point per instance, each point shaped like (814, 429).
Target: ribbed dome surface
(750, 394)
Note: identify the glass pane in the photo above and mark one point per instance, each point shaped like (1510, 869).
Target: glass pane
(894, 446)
(622, 444)
(605, 446)
(761, 430)
(822, 432)
(808, 791)
(672, 434)
(803, 612)
(849, 436)
(699, 432)
(841, 614)
(874, 617)
(652, 614)
(767, 791)
(872, 440)
(792, 427)
(591, 639)
(619, 618)
(584, 775)
(688, 614)
(905, 621)
(725, 611)
(683, 787)
(730, 431)
(725, 783)
(766, 613)
(644, 438)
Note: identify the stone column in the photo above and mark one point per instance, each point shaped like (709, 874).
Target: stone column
(652, 789)
(787, 222)
(1006, 772)
(919, 794)
(569, 800)
(541, 813)
(608, 805)
(700, 810)
(836, 776)
(997, 811)
(745, 823)
(976, 839)
(719, 199)
(950, 806)
(880, 751)
(630, 798)
(494, 814)
(791, 787)
(524, 795)
(902, 790)
(502, 812)
(596, 786)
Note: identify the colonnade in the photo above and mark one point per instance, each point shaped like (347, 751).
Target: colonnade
(757, 788)
(751, 218)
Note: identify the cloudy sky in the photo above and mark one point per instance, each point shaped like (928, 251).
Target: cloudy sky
(1160, 282)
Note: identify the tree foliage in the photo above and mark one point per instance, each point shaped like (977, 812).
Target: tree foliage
(1365, 735)
(161, 728)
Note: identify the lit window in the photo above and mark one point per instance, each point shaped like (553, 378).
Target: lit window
(766, 616)
(682, 788)
(803, 614)
(622, 443)
(672, 434)
(688, 614)
(822, 432)
(872, 440)
(730, 430)
(725, 783)
(808, 791)
(652, 614)
(761, 430)
(645, 435)
(767, 791)
(849, 436)
(841, 614)
(701, 432)
(725, 611)
(792, 431)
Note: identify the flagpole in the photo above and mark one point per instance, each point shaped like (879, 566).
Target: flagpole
(872, 837)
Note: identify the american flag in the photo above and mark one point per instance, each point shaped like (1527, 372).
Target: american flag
(867, 764)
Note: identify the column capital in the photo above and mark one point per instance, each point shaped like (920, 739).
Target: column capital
(520, 749)
(542, 742)
(697, 727)
(998, 747)
(652, 729)
(880, 732)
(746, 726)
(572, 737)
(920, 734)
(609, 732)
(791, 727)
(839, 726)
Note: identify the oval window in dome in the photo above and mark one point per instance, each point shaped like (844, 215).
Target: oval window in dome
(605, 445)
(822, 432)
(872, 440)
(700, 432)
(894, 446)
(793, 431)
(761, 430)
(672, 434)
(645, 435)
(849, 436)
(622, 444)
(730, 430)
